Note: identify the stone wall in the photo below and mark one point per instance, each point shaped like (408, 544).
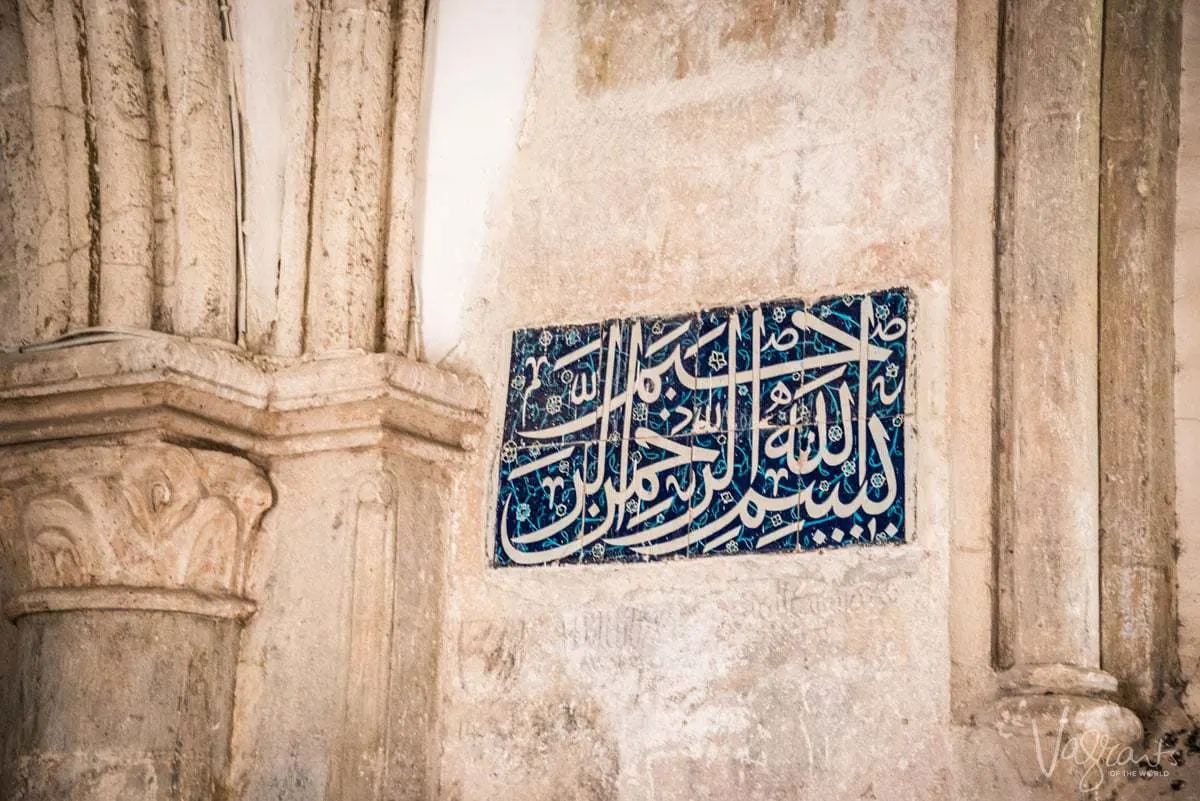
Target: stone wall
(671, 160)
(618, 159)
(1187, 367)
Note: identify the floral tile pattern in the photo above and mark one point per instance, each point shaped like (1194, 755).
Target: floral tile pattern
(554, 386)
(776, 427)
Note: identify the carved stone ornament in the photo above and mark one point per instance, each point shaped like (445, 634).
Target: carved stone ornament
(148, 516)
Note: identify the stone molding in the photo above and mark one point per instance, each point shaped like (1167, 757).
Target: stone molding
(155, 516)
(100, 510)
(1055, 678)
(128, 599)
(122, 383)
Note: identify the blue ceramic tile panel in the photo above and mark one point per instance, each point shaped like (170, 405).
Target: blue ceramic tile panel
(747, 497)
(723, 370)
(781, 330)
(644, 508)
(554, 385)
(539, 509)
(775, 427)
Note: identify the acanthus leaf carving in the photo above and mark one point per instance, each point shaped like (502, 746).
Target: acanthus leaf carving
(157, 516)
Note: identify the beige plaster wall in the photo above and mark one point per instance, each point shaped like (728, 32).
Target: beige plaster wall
(1187, 355)
(674, 156)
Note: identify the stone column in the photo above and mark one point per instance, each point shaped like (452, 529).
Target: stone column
(1048, 464)
(128, 566)
(130, 570)
(345, 277)
(133, 150)
(140, 176)
(1140, 136)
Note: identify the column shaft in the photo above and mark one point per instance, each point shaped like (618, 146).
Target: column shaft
(1048, 495)
(120, 164)
(58, 114)
(199, 270)
(125, 705)
(350, 178)
(1140, 131)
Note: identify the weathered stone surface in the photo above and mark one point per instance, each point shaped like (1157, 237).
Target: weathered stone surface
(784, 166)
(1187, 360)
(126, 139)
(1047, 462)
(671, 156)
(1139, 138)
(631, 43)
(123, 705)
(123, 570)
(198, 183)
(103, 385)
(972, 367)
(105, 529)
(596, 674)
(341, 275)
(346, 569)
(156, 516)
(338, 682)
(19, 189)
(135, 165)
(349, 177)
(58, 295)
(1062, 746)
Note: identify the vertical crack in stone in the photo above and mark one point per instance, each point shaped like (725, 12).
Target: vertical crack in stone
(158, 104)
(93, 167)
(998, 655)
(164, 250)
(315, 122)
(1002, 558)
(238, 151)
(380, 334)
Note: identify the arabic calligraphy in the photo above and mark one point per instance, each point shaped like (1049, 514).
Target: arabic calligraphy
(749, 429)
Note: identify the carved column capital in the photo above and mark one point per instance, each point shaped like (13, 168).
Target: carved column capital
(154, 526)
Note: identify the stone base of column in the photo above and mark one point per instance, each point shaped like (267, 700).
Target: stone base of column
(1061, 731)
(128, 705)
(1070, 680)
